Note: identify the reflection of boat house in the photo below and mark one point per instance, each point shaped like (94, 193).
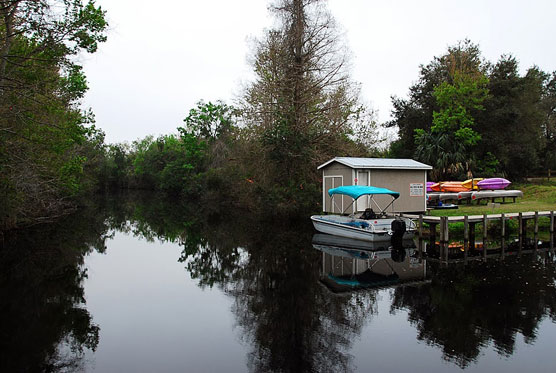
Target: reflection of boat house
(348, 264)
(405, 176)
(349, 269)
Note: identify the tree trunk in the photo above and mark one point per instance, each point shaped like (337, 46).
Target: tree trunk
(8, 9)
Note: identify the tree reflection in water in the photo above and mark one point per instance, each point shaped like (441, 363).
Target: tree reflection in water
(465, 308)
(290, 320)
(43, 320)
(270, 270)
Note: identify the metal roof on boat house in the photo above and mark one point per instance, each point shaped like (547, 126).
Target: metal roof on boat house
(385, 163)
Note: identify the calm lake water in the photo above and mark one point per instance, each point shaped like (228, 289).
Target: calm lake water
(139, 284)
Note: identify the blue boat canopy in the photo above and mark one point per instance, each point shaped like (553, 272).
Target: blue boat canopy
(356, 191)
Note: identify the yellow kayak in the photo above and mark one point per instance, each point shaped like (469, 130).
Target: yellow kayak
(469, 182)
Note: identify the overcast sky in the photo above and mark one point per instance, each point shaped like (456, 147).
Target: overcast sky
(162, 57)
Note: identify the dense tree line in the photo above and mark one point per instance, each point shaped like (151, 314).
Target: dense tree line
(466, 116)
(46, 140)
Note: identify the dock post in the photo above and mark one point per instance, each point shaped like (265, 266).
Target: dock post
(536, 230)
(520, 231)
(472, 236)
(465, 237)
(524, 228)
(503, 221)
(551, 229)
(442, 238)
(446, 238)
(420, 236)
(484, 236)
(432, 235)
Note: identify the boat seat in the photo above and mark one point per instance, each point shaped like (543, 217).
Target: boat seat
(368, 214)
(357, 224)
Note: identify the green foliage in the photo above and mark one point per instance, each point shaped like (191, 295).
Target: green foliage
(488, 165)
(548, 106)
(74, 84)
(458, 102)
(115, 167)
(416, 112)
(511, 124)
(170, 163)
(491, 120)
(70, 173)
(46, 144)
(447, 146)
(209, 121)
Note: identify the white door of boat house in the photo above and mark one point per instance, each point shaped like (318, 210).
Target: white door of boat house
(334, 204)
(363, 178)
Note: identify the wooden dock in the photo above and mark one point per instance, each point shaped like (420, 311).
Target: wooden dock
(469, 224)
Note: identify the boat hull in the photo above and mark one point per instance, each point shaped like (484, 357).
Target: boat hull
(496, 194)
(378, 230)
(464, 195)
(432, 197)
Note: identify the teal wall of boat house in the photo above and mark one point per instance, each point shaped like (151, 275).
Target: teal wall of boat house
(405, 176)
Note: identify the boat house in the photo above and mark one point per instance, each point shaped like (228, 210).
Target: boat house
(405, 176)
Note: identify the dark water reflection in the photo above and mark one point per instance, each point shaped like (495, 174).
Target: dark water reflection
(467, 308)
(297, 302)
(44, 323)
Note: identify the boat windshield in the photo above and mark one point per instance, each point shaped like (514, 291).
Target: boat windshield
(356, 191)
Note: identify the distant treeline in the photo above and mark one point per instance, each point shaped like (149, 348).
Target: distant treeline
(463, 116)
(218, 161)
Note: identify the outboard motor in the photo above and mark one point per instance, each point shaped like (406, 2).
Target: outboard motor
(398, 254)
(398, 229)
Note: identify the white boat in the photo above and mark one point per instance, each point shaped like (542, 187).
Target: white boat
(368, 225)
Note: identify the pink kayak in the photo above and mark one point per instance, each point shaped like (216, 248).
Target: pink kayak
(494, 183)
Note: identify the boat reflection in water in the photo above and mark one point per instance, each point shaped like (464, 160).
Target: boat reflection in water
(349, 264)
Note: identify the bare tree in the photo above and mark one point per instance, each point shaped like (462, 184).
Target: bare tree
(303, 104)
